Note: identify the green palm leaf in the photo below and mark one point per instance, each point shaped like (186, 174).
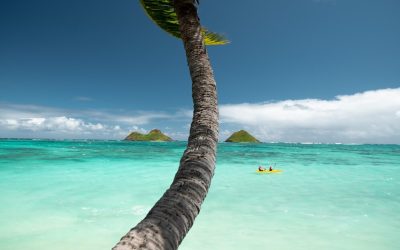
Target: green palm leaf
(163, 14)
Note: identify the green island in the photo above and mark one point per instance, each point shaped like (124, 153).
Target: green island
(153, 135)
(242, 136)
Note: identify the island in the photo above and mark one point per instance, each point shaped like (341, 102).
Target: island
(154, 135)
(242, 136)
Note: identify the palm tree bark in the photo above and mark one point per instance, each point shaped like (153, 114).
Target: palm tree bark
(167, 223)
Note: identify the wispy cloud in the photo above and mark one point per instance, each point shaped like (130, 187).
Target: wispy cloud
(40, 121)
(61, 123)
(83, 99)
(325, 1)
(368, 117)
(137, 118)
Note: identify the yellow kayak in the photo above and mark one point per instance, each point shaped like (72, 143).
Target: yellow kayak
(274, 171)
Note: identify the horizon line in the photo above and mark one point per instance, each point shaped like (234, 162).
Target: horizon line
(219, 142)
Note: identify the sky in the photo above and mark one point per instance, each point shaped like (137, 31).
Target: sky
(295, 71)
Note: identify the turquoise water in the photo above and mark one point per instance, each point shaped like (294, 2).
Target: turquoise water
(64, 195)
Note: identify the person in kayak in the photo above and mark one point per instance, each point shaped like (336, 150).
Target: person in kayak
(270, 168)
(261, 168)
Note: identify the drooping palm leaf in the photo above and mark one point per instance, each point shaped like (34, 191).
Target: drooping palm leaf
(163, 14)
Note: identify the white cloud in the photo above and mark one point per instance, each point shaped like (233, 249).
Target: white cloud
(138, 129)
(16, 111)
(59, 125)
(368, 117)
(40, 121)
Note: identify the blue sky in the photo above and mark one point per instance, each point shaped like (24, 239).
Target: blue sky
(99, 69)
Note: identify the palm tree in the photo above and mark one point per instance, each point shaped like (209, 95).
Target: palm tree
(167, 223)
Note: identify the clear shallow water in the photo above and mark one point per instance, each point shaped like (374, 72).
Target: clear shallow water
(64, 195)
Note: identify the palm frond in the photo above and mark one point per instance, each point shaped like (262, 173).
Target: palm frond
(163, 14)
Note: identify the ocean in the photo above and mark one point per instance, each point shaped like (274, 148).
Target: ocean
(64, 195)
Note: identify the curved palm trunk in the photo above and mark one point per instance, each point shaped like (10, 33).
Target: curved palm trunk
(172, 216)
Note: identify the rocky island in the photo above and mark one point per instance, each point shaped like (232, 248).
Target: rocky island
(154, 135)
(242, 136)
